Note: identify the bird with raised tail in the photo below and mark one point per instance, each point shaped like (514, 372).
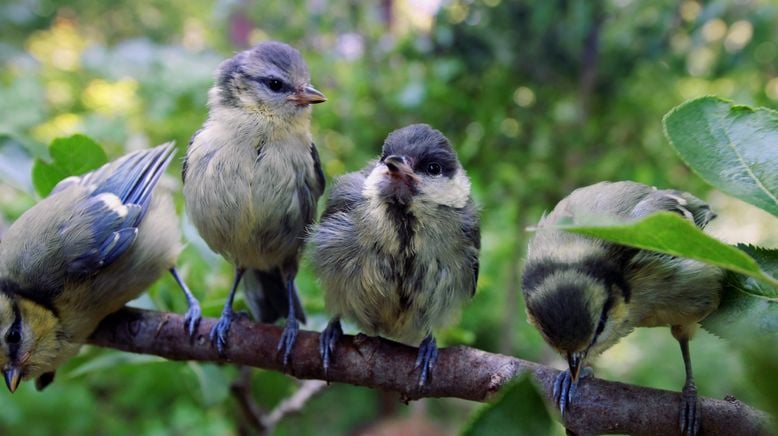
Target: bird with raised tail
(95, 243)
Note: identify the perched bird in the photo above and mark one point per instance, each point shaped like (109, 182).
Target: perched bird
(252, 178)
(584, 294)
(95, 243)
(396, 249)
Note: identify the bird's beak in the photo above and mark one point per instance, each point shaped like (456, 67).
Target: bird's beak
(398, 166)
(402, 180)
(13, 376)
(575, 361)
(307, 95)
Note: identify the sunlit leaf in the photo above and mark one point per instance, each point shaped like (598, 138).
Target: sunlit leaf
(518, 410)
(732, 147)
(667, 232)
(71, 156)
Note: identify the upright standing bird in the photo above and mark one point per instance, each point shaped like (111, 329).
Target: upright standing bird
(397, 246)
(584, 294)
(252, 178)
(95, 243)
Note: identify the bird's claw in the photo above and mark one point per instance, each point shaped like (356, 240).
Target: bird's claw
(288, 339)
(192, 319)
(565, 388)
(221, 330)
(428, 355)
(327, 341)
(690, 411)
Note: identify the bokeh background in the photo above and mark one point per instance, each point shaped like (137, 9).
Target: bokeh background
(538, 98)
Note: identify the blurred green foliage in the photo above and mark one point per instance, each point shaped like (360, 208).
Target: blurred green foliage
(537, 97)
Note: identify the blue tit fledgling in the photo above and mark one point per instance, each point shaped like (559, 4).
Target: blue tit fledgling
(584, 294)
(95, 243)
(252, 178)
(396, 249)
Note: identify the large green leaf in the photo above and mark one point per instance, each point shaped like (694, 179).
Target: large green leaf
(518, 410)
(667, 232)
(732, 147)
(71, 156)
(749, 308)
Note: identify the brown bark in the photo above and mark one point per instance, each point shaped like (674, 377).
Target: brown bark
(601, 406)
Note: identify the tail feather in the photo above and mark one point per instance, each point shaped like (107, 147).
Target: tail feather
(266, 296)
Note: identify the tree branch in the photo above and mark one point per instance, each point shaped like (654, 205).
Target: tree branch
(601, 406)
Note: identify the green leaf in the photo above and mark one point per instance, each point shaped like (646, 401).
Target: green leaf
(732, 147)
(748, 308)
(71, 156)
(110, 360)
(214, 385)
(518, 410)
(667, 232)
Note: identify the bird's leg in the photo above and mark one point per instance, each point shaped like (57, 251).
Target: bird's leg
(565, 387)
(44, 380)
(221, 329)
(194, 314)
(327, 341)
(289, 336)
(691, 416)
(428, 355)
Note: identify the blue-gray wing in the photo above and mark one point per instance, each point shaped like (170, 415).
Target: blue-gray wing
(119, 197)
(471, 227)
(346, 194)
(683, 203)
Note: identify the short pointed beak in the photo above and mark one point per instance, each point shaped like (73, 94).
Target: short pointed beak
(307, 95)
(398, 165)
(13, 376)
(575, 361)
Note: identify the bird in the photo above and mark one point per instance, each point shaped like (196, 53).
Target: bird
(396, 249)
(252, 179)
(584, 294)
(95, 243)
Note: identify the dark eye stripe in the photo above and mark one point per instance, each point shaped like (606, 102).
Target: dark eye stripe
(16, 326)
(603, 318)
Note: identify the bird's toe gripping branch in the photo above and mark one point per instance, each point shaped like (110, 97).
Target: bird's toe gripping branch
(428, 355)
(327, 342)
(565, 388)
(220, 331)
(690, 411)
(288, 338)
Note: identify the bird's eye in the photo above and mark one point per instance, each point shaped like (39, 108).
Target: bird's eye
(434, 169)
(13, 337)
(275, 85)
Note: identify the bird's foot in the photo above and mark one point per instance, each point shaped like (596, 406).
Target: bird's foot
(428, 355)
(192, 318)
(565, 387)
(220, 331)
(288, 338)
(690, 411)
(327, 341)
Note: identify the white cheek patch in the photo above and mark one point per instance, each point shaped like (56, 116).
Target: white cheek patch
(453, 192)
(371, 189)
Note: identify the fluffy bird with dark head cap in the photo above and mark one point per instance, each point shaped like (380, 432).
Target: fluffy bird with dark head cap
(585, 294)
(95, 243)
(397, 246)
(252, 178)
